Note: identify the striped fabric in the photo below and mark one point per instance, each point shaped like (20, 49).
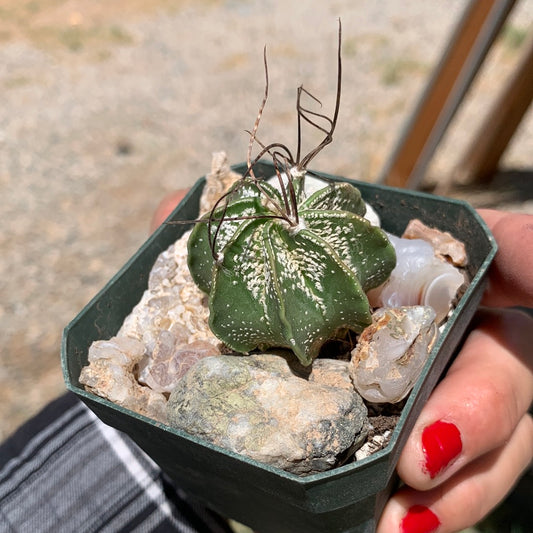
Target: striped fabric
(65, 471)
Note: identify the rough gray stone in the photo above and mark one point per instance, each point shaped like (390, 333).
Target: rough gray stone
(259, 407)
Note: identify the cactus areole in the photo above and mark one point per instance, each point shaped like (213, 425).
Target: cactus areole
(282, 269)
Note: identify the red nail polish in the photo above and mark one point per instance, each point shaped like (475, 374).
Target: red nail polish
(441, 442)
(419, 519)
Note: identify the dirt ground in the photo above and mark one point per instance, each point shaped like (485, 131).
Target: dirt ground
(108, 106)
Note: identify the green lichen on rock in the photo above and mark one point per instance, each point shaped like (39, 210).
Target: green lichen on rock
(288, 273)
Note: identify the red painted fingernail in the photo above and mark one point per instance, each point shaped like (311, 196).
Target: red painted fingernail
(441, 442)
(419, 519)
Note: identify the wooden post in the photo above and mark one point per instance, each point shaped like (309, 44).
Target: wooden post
(478, 27)
(480, 161)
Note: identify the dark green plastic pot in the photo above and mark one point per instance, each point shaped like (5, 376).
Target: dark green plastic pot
(346, 499)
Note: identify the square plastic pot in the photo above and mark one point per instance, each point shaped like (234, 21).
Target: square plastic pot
(346, 499)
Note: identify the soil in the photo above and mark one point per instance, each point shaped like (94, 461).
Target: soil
(382, 423)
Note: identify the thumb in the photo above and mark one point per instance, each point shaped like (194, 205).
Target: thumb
(510, 275)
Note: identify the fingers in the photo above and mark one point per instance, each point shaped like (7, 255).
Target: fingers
(511, 275)
(166, 207)
(473, 438)
(467, 497)
(477, 405)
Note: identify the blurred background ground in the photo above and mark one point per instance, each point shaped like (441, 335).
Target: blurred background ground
(108, 106)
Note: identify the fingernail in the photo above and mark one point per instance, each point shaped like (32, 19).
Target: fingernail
(419, 519)
(441, 442)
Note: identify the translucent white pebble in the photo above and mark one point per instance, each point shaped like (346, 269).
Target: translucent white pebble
(372, 216)
(391, 352)
(419, 278)
(313, 184)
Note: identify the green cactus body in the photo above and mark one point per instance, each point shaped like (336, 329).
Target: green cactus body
(291, 282)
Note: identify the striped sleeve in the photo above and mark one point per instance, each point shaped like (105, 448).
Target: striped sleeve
(65, 470)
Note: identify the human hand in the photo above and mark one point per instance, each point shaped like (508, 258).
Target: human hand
(474, 437)
(166, 207)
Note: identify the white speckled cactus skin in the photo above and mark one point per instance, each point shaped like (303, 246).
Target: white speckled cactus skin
(288, 281)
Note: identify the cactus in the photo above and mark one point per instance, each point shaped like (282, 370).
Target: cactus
(274, 283)
(283, 269)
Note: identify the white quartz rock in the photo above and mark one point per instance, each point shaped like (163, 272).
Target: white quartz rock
(171, 302)
(170, 361)
(373, 445)
(217, 182)
(110, 374)
(392, 351)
